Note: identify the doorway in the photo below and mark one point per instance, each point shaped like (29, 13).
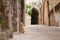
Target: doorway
(34, 16)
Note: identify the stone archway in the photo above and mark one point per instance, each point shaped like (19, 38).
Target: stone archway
(34, 16)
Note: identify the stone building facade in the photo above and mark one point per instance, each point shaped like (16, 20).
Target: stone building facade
(50, 10)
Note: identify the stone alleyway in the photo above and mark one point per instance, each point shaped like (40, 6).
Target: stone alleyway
(38, 32)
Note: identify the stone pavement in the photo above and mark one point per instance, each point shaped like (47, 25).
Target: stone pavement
(39, 32)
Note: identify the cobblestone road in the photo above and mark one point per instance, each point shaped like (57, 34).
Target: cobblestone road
(39, 32)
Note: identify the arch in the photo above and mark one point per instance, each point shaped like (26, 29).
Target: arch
(34, 16)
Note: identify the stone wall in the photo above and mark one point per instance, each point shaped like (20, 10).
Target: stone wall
(27, 19)
(57, 17)
(53, 3)
(12, 11)
(52, 20)
(46, 11)
(6, 11)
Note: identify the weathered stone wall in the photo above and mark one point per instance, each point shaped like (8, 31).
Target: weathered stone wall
(53, 3)
(52, 20)
(27, 19)
(12, 11)
(6, 10)
(57, 17)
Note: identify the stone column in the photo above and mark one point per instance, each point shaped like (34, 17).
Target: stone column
(14, 15)
(43, 7)
(9, 6)
(23, 11)
(18, 14)
(46, 19)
